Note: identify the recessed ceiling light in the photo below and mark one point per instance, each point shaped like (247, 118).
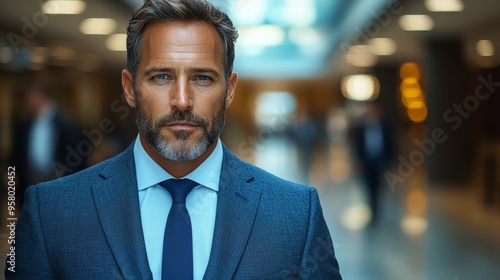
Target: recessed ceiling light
(98, 26)
(261, 35)
(382, 46)
(444, 5)
(360, 56)
(68, 7)
(304, 36)
(485, 48)
(297, 13)
(416, 22)
(360, 87)
(117, 42)
(248, 12)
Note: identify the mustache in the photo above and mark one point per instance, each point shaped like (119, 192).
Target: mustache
(186, 116)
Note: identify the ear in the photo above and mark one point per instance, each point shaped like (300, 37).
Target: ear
(128, 88)
(231, 88)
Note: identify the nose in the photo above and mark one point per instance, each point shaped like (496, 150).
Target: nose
(181, 97)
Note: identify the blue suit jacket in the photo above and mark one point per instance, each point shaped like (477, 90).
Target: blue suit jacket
(88, 226)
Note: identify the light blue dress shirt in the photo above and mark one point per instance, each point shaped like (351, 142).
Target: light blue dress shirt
(42, 141)
(155, 204)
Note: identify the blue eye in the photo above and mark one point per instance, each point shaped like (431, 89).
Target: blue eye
(204, 78)
(161, 77)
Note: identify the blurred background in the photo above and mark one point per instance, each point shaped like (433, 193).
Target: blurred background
(389, 108)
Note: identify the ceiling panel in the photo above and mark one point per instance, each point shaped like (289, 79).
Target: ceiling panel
(279, 38)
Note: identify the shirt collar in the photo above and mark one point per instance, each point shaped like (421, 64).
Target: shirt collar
(149, 173)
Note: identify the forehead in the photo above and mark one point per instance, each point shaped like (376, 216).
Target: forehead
(178, 41)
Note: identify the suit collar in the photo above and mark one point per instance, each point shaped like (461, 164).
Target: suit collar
(117, 203)
(237, 206)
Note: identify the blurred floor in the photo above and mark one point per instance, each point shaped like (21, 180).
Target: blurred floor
(425, 232)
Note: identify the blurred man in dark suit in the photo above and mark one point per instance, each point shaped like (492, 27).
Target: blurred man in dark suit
(374, 147)
(41, 139)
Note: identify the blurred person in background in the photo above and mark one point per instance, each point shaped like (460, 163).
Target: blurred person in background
(305, 132)
(374, 149)
(40, 140)
(176, 204)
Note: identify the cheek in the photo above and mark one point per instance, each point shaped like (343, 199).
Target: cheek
(211, 107)
(152, 107)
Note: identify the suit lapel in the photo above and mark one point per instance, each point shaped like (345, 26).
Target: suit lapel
(237, 206)
(117, 203)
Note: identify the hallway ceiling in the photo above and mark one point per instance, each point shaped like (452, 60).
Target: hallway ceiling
(278, 38)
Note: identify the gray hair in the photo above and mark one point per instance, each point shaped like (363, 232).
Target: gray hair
(179, 10)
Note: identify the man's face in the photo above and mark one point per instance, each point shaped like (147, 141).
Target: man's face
(35, 100)
(180, 93)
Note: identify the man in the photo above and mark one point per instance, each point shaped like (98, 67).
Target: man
(41, 140)
(374, 147)
(112, 220)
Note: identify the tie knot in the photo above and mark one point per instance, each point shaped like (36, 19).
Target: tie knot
(178, 188)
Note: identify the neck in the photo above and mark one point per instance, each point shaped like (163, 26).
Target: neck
(178, 169)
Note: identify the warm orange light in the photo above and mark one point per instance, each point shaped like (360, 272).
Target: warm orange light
(409, 83)
(410, 70)
(417, 105)
(416, 202)
(413, 93)
(410, 96)
(417, 111)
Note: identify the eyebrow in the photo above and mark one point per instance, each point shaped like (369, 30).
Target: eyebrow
(154, 70)
(206, 70)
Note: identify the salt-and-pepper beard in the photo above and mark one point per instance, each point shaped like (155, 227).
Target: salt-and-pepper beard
(180, 149)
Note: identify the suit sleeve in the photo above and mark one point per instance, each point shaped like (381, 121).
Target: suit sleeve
(31, 259)
(318, 259)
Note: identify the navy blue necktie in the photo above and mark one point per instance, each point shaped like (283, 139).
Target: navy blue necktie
(177, 260)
